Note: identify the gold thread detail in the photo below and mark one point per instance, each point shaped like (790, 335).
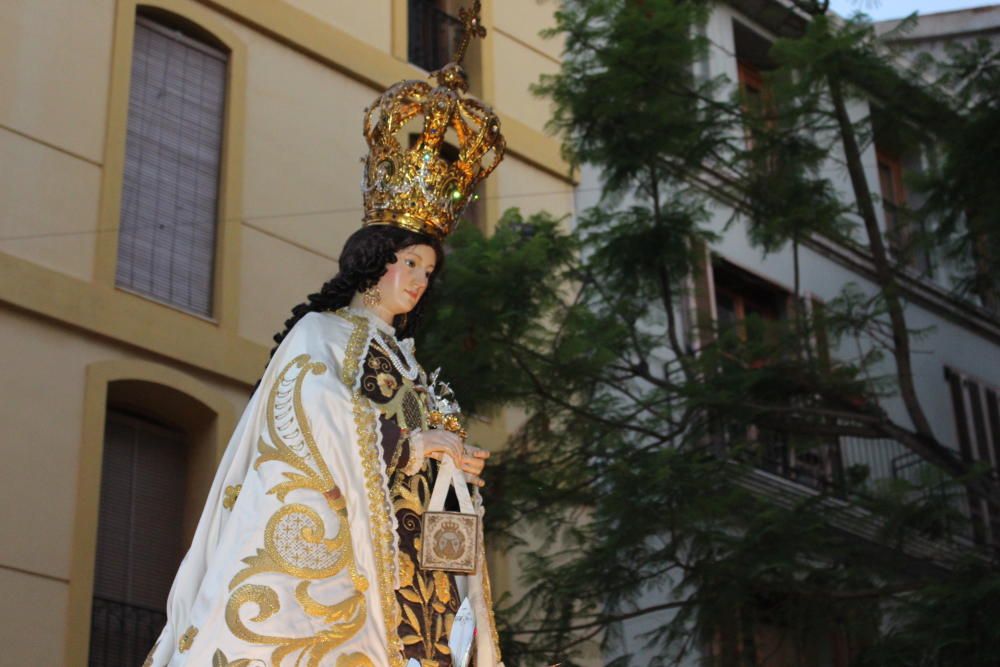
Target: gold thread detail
(295, 542)
(488, 599)
(232, 493)
(184, 643)
(381, 528)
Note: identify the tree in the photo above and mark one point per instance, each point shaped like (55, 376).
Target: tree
(637, 451)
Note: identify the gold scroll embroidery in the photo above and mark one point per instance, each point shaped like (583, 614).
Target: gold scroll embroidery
(354, 660)
(295, 541)
(219, 659)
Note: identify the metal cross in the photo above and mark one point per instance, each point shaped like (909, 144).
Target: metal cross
(472, 26)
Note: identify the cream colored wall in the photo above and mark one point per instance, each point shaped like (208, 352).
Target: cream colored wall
(54, 78)
(30, 633)
(48, 205)
(302, 169)
(523, 20)
(521, 185)
(521, 68)
(373, 25)
(523, 56)
(54, 72)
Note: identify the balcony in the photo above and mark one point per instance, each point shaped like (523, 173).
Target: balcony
(432, 34)
(852, 471)
(122, 634)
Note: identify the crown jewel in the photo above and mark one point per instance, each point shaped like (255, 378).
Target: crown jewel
(417, 187)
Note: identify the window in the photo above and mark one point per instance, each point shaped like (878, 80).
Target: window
(758, 635)
(751, 61)
(753, 307)
(977, 424)
(433, 33)
(140, 539)
(740, 295)
(170, 188)
(894, 160)
(890, 180)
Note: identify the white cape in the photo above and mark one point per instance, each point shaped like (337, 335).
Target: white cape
(295, 558)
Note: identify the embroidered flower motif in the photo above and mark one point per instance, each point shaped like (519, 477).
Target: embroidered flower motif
(387, 384)
(232, 493)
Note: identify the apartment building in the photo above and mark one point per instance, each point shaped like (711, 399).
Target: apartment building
(956, 364)
(177, 174)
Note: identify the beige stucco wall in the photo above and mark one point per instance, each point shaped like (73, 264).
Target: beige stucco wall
(302, 72)
(49, 202)
(54, 60)
(371, 23)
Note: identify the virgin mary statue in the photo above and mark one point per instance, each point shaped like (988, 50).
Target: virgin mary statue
(309, 549)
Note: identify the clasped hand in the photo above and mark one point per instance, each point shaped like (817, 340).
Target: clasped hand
(437, 443)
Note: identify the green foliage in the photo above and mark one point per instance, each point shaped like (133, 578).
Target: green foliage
(633, 485)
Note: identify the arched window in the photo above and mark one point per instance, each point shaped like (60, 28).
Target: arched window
(140, 536)
(157, 463)
(170, 187)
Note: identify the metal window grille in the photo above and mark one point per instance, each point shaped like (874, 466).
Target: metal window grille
(432, 34)
(140, 541)
(167, 231)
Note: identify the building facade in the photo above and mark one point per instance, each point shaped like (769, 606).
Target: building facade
(177, 175)
(956, 365)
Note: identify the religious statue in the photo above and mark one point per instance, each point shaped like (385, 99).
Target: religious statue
(316, 545)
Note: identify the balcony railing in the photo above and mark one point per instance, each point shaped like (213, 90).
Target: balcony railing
(432, 34)
(849, 466)
(121, 635)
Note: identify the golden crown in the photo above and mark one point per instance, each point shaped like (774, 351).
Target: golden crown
(418, 188)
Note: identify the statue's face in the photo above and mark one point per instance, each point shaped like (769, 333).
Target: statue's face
(405, 280)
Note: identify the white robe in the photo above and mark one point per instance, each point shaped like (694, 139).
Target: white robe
(303, 568)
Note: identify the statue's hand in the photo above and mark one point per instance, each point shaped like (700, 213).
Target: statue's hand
(436, 443)
(473, 464)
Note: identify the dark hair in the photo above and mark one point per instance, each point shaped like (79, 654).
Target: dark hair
(362, 263)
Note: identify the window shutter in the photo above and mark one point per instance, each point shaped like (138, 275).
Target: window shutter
(167, 231)
(977, 424)
(139, 537)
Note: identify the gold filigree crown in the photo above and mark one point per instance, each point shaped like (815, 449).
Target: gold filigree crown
(417, 187)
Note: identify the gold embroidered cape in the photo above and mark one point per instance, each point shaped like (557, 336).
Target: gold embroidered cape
(295, 560)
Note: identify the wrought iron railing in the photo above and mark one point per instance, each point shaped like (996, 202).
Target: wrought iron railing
(849, 466)
(121, 634)
(432, 33)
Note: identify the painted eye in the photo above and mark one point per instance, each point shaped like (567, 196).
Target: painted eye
(410, 263)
